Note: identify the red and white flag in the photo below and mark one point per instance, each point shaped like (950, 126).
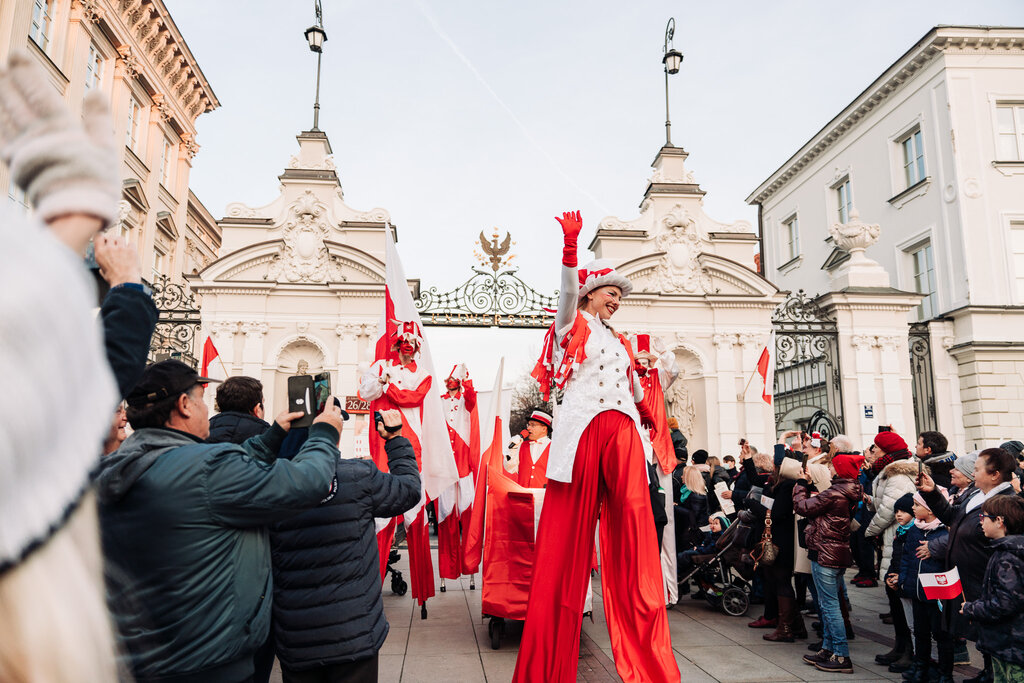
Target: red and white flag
(490, 459)
(941, 586)
(439, 470)
(766, 368)
(213, 366)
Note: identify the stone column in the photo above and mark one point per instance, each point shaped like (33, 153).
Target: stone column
(252, 353)
(348, 357)
(870, 314)
(223, 333)
(728, 413)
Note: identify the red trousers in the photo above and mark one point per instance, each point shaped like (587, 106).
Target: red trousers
(609, 475)
(449, 546)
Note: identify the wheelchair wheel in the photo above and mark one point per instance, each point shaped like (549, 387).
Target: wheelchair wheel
(735, 601)
(495, 629)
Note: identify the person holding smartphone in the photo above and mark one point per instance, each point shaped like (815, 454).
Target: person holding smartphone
(329, 621)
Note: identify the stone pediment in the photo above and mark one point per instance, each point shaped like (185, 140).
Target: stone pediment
(694, 274)
(269, 262)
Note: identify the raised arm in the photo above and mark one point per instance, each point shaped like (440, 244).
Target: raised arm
(371, 386)
(571, 224)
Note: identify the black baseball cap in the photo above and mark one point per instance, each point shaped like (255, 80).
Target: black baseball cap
(166, 379)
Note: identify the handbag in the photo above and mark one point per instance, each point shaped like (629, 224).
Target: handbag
(765, 552)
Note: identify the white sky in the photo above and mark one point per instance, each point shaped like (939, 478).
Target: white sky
(460, 116)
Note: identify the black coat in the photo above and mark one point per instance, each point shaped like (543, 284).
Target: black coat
(129, 318)
(1000, 612)
(234, 427)
(327, 586)
(679, 444)
(968, 550)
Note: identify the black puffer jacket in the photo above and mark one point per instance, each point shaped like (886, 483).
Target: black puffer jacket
(828, 533)
(1000, 612)
(327, 587)
(234, 427)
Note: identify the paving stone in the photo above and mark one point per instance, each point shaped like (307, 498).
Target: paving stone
(464, 668)
(396, 642)
(735, 664)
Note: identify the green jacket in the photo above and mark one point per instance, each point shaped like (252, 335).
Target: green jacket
(188, 558)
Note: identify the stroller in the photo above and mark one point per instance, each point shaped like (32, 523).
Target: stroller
(399, 586)
(725, 576)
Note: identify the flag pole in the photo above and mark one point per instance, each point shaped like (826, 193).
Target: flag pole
(743, 394)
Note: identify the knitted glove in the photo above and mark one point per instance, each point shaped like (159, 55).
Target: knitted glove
(571, 225)
(64, 165)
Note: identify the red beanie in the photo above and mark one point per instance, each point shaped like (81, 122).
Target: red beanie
(847, 465)
(890, 442)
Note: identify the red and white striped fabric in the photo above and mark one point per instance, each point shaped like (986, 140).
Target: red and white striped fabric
(942, 585)
(213, 366)
(766, 368)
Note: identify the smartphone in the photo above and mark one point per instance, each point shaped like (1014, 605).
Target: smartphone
(884, 428)
(302, 399)
(920, 471)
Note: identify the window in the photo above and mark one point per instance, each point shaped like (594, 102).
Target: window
(167, 164)
(1010, 131)
(913, 158)
(93, 68)
(40, 29)
(845, 198)
(1017, 253)
(159, 263)
(791, 238)
(132, 133)
(924, 281)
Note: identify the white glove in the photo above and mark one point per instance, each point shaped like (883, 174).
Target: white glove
(64, 164)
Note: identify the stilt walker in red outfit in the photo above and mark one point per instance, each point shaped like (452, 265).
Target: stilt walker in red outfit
(597, 464)
(400, 378)
(455, 505)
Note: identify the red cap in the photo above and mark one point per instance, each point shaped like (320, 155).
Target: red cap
(890, 442)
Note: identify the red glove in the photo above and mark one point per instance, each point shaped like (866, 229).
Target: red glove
(646, 419)
(571, 224)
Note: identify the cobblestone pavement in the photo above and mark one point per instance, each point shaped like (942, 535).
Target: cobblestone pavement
(452, 644)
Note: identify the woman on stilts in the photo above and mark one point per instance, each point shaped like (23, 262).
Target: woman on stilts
(597, 464)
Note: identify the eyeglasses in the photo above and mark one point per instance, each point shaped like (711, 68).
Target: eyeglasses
(987, 516)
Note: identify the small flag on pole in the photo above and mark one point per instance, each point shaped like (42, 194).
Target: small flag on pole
(213, 366)
(766, 368)
(941, 586)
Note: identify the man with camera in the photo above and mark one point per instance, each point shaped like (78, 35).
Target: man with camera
(184, 528)
(329, 621)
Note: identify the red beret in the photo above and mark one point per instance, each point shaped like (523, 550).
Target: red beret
(890, 442)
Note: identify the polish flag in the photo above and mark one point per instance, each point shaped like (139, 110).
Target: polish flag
(766, 368)
(490, 459)
(213, 366)
(942, 586)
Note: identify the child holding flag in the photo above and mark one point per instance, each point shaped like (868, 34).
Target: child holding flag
(1000, 612)
(926, 608)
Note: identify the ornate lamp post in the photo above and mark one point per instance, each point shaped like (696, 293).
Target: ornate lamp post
(316, 37)
(671, 58)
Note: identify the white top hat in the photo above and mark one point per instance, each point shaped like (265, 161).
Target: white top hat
(601, 273)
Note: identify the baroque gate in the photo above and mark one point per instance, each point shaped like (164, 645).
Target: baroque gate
(808, 383)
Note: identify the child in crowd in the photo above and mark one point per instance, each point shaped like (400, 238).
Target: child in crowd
(717, 524)
(927, 613)
(1000, 613)
(899, 659)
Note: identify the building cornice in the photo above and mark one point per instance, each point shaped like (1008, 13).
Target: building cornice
(939, 40)
(151, 47)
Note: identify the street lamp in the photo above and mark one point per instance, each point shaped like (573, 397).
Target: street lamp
(671, 58)
(316, 37)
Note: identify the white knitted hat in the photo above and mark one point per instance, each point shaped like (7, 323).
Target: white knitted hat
(58, 397)
(600, 273)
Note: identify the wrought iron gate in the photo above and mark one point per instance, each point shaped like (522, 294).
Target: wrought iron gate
(808, 384)
(176, 325)
(921, 378)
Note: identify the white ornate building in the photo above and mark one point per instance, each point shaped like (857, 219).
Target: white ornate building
(132, 51)
(300, 279)
(932, 152)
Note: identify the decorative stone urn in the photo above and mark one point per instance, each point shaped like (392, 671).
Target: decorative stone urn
(859, 271)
